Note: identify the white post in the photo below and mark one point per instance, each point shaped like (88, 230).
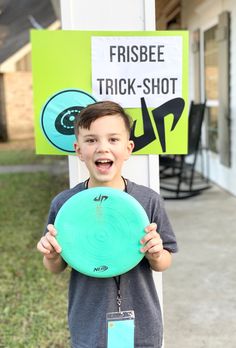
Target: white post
(115, 15)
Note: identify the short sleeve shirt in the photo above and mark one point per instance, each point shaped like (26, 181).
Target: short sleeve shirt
(91, 298)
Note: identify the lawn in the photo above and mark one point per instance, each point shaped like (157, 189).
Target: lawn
(23, 152)
(33, 312)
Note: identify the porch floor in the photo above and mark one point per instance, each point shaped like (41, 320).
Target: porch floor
(199, 289)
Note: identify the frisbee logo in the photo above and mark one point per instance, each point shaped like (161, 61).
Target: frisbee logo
(100, 198)
(64, 122)
(58, 116)
(100, 269)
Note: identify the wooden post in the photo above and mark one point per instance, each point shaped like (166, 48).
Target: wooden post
(115, 15)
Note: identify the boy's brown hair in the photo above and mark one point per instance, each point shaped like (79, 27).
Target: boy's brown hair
(100, 109)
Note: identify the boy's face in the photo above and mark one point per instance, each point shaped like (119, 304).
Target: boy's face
(104, 148)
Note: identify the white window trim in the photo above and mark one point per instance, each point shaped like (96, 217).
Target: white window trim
(210, 103)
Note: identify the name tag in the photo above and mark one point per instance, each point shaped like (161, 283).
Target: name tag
(120, 329)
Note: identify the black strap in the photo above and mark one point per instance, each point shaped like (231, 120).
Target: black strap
(87, 181)
(118, 297)
(86, 184)
(125, 183)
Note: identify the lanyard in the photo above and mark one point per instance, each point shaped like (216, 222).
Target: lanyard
(118, 297)
(116, 279)
(87, 181)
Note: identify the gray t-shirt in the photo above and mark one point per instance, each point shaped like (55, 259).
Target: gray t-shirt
(91, 298)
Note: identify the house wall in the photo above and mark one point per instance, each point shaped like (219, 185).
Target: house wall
(3, 124)
(18, 105)
(16, 101)
(203, 15)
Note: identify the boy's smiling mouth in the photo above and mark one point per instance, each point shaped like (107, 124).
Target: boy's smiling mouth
(103, 164)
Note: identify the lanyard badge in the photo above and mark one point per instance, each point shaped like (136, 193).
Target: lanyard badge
(120, 325)
(120, 329)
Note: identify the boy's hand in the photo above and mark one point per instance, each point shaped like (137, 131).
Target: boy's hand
(48, 244)
(152, 242)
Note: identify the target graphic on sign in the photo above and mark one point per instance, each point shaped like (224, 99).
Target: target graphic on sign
(58, 117)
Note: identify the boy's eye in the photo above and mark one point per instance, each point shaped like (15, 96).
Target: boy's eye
(90, 140)
(113, 140)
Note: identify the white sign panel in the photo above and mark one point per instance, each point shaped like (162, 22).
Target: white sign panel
(124, 69)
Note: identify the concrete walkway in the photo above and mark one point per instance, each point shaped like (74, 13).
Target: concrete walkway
(200, 288)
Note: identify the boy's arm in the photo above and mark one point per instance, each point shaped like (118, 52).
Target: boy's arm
(55, 265)
(50, 249)
(160, 263)
(158, 257)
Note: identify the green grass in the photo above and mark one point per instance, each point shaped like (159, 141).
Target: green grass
(33, 310)
(25, 156)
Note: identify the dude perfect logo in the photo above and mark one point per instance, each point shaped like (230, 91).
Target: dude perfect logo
(174, 106)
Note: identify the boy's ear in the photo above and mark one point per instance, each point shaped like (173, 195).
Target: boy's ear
(130, 148)
(77, 150)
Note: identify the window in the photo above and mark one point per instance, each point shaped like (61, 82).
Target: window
(211, 75)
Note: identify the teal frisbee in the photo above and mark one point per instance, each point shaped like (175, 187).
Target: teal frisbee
(99, 231)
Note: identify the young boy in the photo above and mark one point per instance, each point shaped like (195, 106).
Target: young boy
(103, 143)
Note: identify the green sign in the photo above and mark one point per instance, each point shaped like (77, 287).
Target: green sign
(144, 71)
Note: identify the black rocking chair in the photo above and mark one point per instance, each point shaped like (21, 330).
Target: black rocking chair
(177, 172)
